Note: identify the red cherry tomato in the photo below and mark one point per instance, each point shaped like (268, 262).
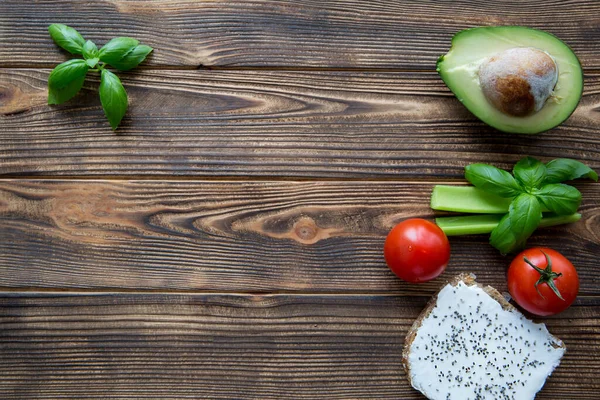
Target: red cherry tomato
(532, 288)
(417, 250)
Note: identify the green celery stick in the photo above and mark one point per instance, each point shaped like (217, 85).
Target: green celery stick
(467, 199)
(479, 224)
(468, 224)
(553, 219)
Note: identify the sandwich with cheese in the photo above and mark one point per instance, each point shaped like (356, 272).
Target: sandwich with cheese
(471, 344)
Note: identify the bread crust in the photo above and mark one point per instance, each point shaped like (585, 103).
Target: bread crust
(469, 280)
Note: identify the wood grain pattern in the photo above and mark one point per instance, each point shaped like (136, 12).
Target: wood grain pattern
(297, 34)
(269, 347)
(240, 236)
(271, 124)
(255, 90)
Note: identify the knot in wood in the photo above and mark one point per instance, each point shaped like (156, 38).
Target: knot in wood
(13, 101)
(305, 229)
(5, 94)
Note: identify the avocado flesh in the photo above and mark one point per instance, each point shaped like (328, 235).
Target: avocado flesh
(459, 69)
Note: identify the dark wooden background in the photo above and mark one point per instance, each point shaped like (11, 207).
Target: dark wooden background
(227, 241)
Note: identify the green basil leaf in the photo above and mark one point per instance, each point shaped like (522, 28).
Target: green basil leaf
(113, 98)
(530, 173)
(115, 50)
(92, 62)
(133, 58)
(90, 53)
(565, 169)
(67, 38)
(491, 179)
(559, 198)
(90, 50)
(525, 214)
(66, 80)
(502, 237)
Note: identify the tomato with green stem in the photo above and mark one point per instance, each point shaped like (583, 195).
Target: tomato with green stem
(542, 281)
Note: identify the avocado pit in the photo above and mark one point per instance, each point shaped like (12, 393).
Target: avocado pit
(518, 81)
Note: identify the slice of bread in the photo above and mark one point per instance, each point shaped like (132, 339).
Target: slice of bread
(470, 343)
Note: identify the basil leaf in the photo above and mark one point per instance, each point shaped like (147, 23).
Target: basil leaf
(90, 53)
(502, 238)
(525, 214)
(113, 51)
(133, 58)
(565, 169)
(90, 50)
(66, 80)
(559, 198)
(491, 179)
(530, 173)
(113, 98)
(92, 62)
(67, 38)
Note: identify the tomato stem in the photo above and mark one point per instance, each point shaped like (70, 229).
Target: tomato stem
(547, 276)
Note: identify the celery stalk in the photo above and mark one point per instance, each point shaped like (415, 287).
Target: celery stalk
(553, 220)
(479, 224)
(468, 224)
(468, 199)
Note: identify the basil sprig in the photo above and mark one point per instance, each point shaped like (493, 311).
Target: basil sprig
(534, 186)
(67, 79)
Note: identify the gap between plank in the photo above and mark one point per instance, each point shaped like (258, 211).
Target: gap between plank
(17, 292)
(239, 68)
(226, 178)
(258, 68)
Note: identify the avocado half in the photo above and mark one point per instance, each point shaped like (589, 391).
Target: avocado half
(459, 69)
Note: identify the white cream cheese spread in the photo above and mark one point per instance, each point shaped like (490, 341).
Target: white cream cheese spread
(470, 348)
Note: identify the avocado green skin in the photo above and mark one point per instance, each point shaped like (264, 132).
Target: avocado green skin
(494, 124)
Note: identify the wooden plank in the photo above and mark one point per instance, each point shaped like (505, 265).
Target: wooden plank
(296, 34)
(270, 124)
(213, 346)
(240, 236)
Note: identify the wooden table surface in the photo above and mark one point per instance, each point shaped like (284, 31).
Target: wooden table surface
(227, 241)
